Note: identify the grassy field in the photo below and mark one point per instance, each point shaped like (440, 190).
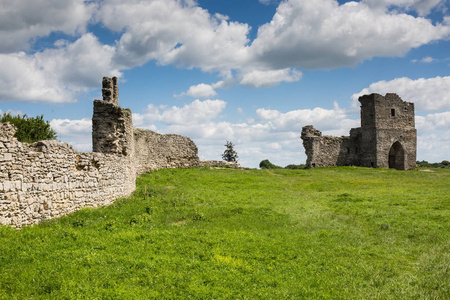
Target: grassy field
(331, 233)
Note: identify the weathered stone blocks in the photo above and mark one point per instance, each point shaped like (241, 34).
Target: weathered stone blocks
(387, 137)
(49, 179)
(155, 151)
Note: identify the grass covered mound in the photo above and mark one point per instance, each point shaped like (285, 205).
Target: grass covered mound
(331, 233)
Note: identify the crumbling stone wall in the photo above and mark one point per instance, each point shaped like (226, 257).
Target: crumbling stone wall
(220, 164)
(155, 151)
(324, 151)
(112, 129)
(110, 90)
(387, 137)
(112, 132)
(49, 179)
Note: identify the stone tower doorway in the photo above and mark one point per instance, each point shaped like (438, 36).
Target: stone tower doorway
(397, 157)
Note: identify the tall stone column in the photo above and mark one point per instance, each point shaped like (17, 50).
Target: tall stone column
(112, 128)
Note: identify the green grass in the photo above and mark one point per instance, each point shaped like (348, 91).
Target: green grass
(331, 233)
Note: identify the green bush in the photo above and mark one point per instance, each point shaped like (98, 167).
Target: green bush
(266, 164)
(30, 129)
(295, 167)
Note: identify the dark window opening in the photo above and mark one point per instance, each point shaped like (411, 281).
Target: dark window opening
(393, 112)
(348, 150)
(356, 150)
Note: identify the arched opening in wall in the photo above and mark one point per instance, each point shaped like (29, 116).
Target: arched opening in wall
(397, 157)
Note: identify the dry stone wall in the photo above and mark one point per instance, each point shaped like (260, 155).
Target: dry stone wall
(220, 164)
(50, 179)
(155, 151)
(324, 151)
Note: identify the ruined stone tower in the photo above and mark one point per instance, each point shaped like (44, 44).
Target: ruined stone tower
(110, 90)
(387, 137)
(112, 125)
(112, 129)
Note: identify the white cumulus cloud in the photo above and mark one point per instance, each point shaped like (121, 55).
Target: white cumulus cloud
(428, 94)
(201, 90)
(55, 75)
(431, 122)
(306, 34)
(260, 79)
(433, 147)
(193, 113)
(78, 133)
(302, 34)
(425, 60)
(178, 32)
(423, 7)
(22, 21)
(322, 119)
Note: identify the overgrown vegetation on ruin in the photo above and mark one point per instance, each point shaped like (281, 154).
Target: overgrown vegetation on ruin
(30, 129)
(332, 233)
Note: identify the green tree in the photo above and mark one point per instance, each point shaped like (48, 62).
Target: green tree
(30, 129)
(266, 164)
(229, 154)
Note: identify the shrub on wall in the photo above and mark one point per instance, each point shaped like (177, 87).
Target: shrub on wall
(30, 129)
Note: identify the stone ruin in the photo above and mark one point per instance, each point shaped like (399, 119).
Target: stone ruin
(49, 179)
(387, 137)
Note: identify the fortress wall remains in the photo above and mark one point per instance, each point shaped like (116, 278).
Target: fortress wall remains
(387, 137)
(154, 151)
(220, 164)
(327, 151)
(49, 179)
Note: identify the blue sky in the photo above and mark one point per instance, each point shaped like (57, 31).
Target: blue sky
(250, 71)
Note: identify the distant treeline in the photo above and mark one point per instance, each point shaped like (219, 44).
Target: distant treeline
(445, 164)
